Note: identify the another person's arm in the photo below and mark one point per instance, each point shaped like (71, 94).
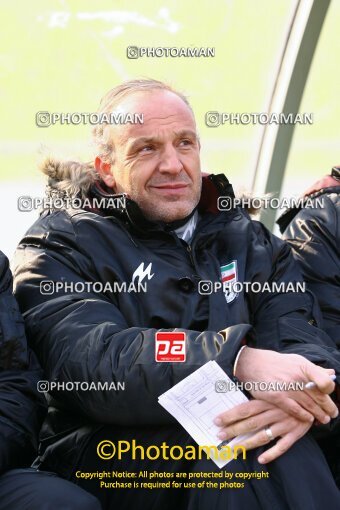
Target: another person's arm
(22, 408)
(314, 235)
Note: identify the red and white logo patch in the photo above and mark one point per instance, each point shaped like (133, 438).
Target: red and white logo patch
(170, 346)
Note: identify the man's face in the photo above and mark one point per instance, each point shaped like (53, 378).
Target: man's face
(156, 163)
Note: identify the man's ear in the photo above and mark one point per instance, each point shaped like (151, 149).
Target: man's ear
(104, 170)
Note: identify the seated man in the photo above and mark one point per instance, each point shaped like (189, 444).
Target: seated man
(150, 218)
(22, 410)
(314, 234)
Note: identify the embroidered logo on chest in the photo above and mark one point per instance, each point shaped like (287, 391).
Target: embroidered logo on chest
(229, 278)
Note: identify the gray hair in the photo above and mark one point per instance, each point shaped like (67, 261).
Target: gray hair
(101, 136)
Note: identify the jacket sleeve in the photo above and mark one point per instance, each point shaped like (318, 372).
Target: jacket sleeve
(291, 322)
(288, 319)
(314, 235)
(84, 336)
(22, 408)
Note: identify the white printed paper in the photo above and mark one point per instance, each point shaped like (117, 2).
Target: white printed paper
(195, 403)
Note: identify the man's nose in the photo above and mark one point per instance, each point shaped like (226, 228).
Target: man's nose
(170, 161)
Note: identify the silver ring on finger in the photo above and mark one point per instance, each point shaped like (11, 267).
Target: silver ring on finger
(269, 433)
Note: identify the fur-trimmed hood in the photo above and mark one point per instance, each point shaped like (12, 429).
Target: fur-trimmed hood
(68, 178)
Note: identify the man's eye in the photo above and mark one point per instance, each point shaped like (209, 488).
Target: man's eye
(185, 142)
(146, 148)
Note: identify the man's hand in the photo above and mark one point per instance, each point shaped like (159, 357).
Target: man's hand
(254, 416)
(269, 366)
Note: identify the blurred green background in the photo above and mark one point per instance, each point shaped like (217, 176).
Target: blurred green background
(63, 56)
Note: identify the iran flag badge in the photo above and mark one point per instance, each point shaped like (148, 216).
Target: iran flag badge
(229, 278)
